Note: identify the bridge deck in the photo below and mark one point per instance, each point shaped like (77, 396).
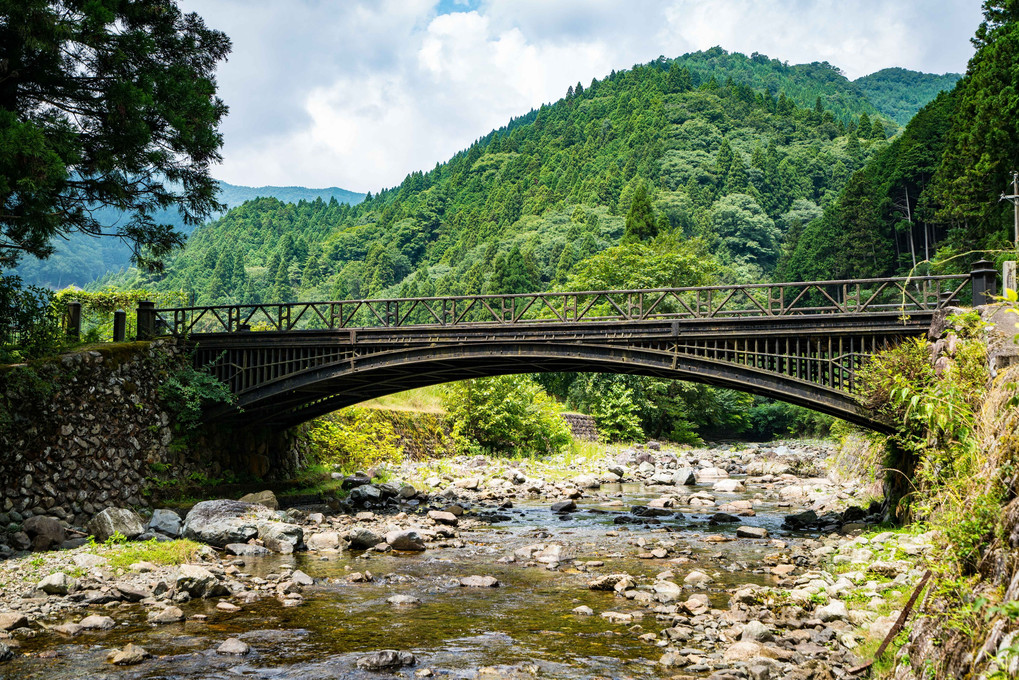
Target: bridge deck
(802, 342)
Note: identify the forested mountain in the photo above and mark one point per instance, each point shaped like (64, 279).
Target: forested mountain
(933, 193)
(899, 93)
(83, 259)
(723, 158)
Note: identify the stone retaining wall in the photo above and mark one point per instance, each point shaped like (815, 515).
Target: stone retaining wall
(93, 433)
(582, 426)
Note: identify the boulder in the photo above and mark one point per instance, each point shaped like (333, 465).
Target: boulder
(728, 486)
(115, 520)
(365, 494)
(744, 650)
(752, 532)
(302, 579)
(96, 622)
(800, 520)
(403, 600)
(363, 538)
(684, 477)
(165, 521)
(697, 579)
(264, 498)
(45, 533)
(355, 480)
(386, 659)
(326, 540)
(441, 517)
(12, 620)
(710, 474)
(564, 506)
(168, 615)
(759, 468)
(280, 537)
(57, 584)
(833, 611)
(198, 582)
(5, 652)
(756, 632)
(130, 655)
(233, 647)
(223, 521)
(607, 582)
(479, 582)
(405, 539)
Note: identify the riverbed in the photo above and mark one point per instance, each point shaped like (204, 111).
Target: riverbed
(532, 624)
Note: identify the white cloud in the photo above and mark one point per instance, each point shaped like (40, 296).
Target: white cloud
(359, 93)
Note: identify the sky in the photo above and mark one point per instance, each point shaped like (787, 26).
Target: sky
(359, 93)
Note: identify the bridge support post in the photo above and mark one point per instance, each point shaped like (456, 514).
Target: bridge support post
(146, 320)
(74, 321)
(985, 282)
(119, 325)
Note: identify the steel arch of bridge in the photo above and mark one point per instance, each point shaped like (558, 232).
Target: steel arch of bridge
(800, 342)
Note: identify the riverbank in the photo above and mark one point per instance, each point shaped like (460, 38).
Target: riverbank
(723, 562)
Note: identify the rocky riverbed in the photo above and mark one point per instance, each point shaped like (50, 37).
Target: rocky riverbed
(723, 562)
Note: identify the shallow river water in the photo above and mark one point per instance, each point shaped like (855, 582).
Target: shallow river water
(524, 628)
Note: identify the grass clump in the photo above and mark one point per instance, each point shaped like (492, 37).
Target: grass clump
(123, 555)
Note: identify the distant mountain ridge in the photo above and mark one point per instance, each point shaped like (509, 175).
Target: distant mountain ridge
(899, 93)
(82, 259)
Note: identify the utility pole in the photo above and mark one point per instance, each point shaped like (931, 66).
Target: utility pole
(1008, 272)
(1014, 200)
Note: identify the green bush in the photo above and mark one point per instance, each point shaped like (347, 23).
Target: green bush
(507, 414)
(29, 325)
(616, 415)
(355, 439)
(186, 391)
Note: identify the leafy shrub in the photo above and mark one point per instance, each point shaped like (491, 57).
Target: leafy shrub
(355, 439)
(187, 390)
(507, 414)
(616, 415)
(98, 306)
(29, 325)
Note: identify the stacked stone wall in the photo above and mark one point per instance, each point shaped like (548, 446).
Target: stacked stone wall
(582, 426)
(94, 433)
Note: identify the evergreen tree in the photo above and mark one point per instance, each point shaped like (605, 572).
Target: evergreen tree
(640, 221)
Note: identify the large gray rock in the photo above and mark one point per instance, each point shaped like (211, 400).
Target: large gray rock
(57, 584)
(166, 522)
(386, 659)
(223, 521)
(12, 620)
(266, 498)
(113, 520)
(280, 537)
(198, 582)
(408, 540)
(684, 477)
(325, 540)
(362, 495)
(45, 533)
(362, 538)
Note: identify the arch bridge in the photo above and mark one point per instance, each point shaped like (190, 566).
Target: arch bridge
(802, 343)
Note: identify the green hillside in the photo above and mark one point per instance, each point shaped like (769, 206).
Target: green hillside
(934, 193)
(82, 259)
(726, 161)
(899, 93)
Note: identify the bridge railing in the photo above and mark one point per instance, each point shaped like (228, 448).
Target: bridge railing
(851, 296)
